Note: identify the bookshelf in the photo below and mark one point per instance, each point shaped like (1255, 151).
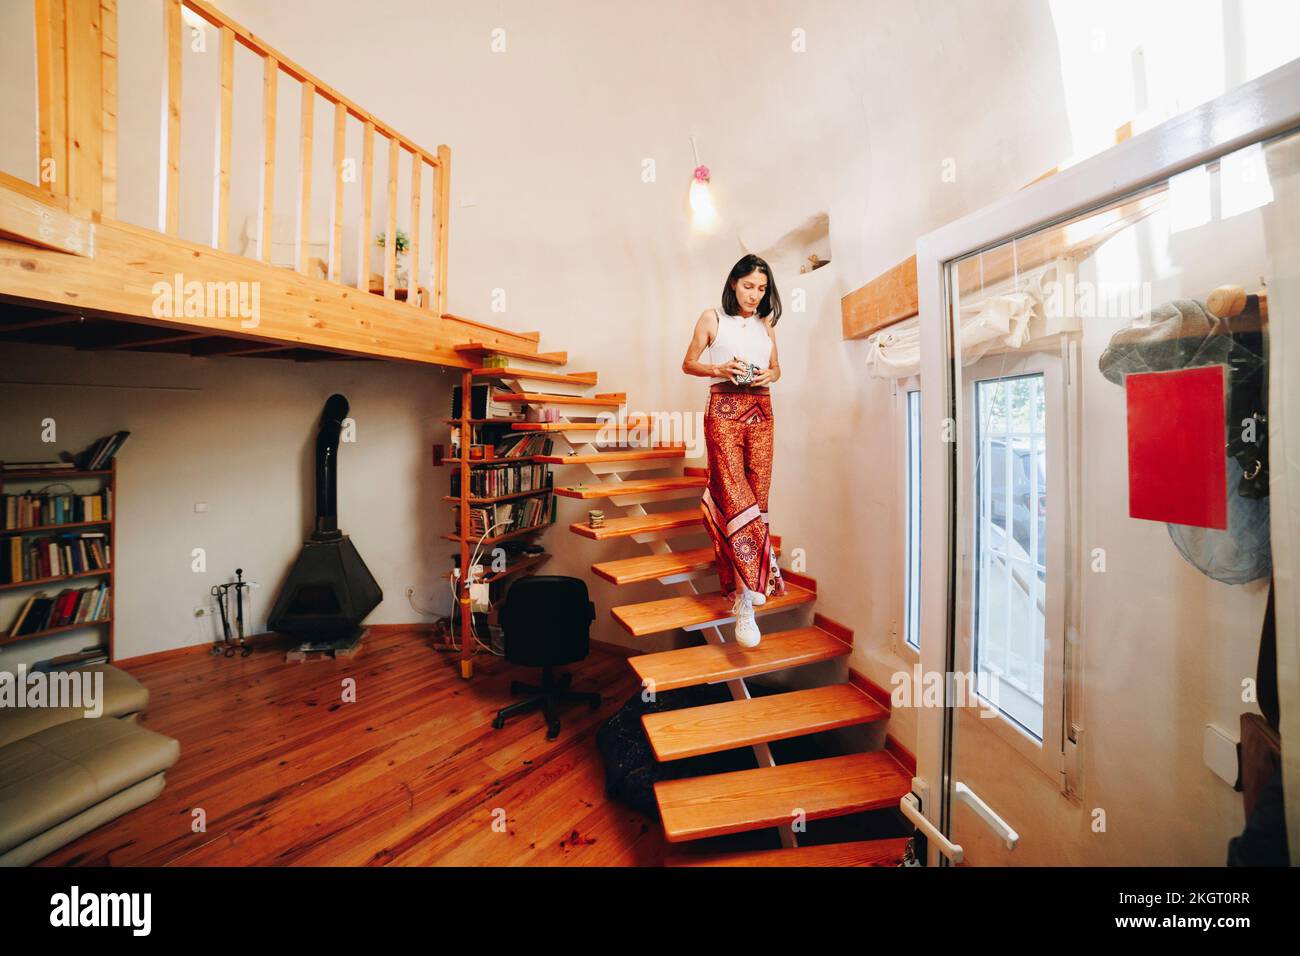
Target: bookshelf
(39, 481)
(485, 429)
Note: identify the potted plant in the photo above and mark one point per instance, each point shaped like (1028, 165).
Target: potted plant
(402, 246)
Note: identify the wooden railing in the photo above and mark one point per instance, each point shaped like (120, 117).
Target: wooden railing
(76, 55)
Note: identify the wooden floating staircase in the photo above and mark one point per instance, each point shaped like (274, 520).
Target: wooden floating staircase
(772, 795)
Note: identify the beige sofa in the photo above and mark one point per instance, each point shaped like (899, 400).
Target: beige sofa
(63, 774)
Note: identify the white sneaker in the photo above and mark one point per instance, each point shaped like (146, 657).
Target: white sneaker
(757, 598)
(747, 633)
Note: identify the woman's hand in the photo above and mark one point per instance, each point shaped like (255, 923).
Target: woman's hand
(766, 376)
(733, 369)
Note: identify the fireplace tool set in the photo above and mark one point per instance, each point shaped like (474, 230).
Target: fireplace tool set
(221, 592)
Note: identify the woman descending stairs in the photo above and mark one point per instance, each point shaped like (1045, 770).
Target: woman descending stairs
(771, 795)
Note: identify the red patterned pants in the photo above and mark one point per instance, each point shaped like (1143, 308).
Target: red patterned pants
(738, 436)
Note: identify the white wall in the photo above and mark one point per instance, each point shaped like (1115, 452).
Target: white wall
(237, 434)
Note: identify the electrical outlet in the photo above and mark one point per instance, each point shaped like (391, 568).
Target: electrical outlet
(410, 592)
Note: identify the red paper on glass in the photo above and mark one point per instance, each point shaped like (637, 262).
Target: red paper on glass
(1177, 459)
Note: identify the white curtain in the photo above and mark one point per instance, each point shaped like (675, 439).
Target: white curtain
(1001, 320)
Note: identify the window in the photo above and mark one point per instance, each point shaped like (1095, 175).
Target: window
(912, 573)
(1010, 510)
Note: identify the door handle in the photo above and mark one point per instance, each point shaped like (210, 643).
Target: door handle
(911, 808)
(964, 794)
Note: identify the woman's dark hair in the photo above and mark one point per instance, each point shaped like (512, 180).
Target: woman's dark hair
(771, 304)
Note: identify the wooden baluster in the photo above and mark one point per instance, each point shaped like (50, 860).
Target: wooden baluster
(85, 116)
(108, 80)
(302, 250)
(169, 187)
(413, 274)
(51, 87)
(221, 160)
(336, 212)
(266, 192)
(367, 205)
(440, 249)
(390, 231)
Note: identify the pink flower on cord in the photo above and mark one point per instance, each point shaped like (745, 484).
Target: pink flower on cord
(702, 173)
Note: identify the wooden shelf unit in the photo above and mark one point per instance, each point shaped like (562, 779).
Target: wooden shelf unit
(465, 425)
(108, 481)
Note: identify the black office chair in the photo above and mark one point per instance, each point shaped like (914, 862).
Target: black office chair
(546, 619)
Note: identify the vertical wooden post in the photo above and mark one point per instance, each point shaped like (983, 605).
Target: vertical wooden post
(221, 174)
(367, 203)
(169, 180)
(51, 93)
(413, 274)
(462, 593)
(336, 211)
(302, 250)
(108, 82)
(444, 206)
(390, 228)
(85, 90)
(266, 197)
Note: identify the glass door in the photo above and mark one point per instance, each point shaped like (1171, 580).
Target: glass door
(1110, 557)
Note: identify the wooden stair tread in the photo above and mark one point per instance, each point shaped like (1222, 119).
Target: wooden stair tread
(611, 489)
(888, 852)
(573, 378)
(692, 731)
(649, 567)
(630, 422)
(612, 400)
(699, 807)
(635, 524)
(622, 454)
(549, 358)
(711, 663)
(667, 614)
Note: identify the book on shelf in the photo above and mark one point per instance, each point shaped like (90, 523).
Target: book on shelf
(52, 556)
(43, 612)
(38, 509)
(504, 479)
(486, 402)
(95, 654)
(102, 451)
(505, 517)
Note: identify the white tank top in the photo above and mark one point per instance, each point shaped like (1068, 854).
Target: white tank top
(746, 339)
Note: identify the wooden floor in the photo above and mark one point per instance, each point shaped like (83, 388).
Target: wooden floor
(411, 773)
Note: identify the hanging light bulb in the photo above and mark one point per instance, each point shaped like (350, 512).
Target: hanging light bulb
(702, 211)
(703, 214)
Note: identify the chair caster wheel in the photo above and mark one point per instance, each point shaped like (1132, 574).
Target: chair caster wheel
(245, 652)
(498, 723)
(230, 652)
(552, 732)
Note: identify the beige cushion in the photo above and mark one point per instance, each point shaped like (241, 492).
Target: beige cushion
(58, 773)
(123, 695)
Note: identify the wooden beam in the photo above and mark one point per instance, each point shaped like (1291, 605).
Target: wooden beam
(302, 248)
(156, 340)
(885, 300)
(440, 249)
(221, 161)
(51, 93)
(85, 92)
(266, 197)
(367, 204)
(336, 211)
(413, 273)
(39, 323)
(169, 185)
(26, 218)
(390, 228)
(108, 80)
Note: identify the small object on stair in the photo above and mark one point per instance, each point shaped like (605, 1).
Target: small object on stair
(595, 518)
